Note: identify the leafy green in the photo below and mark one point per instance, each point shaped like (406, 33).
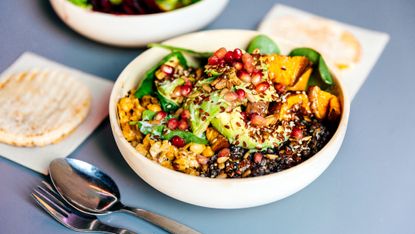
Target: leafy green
(187, 136)
(147, 86)
(148, 115)
(265, 45)
(153, 129)
(166, 104)
(116, 2)
(317, 61)
(81, 3)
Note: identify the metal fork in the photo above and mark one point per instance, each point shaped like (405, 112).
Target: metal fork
(50, 201)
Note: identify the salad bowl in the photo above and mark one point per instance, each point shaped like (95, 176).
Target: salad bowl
(219, 193)
(137, 30)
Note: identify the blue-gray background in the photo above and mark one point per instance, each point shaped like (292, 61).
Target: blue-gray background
(369, 188)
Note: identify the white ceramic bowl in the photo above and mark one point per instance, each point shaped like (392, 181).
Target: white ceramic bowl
(217, 193)
(137, 30)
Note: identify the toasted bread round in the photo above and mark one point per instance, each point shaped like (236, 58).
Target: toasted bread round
(41, 107)
(338, 46)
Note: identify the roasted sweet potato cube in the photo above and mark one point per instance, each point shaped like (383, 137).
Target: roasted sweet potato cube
(334, 109)
(293, 101)
(285, 69)
(320, 102)
(301, 84)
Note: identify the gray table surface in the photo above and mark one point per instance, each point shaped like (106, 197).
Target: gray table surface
(369, 188)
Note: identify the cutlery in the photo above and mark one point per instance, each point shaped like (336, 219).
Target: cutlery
(50, 202)
(91, 191)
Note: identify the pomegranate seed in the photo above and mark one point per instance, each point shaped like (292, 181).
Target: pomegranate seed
(237, 54)
(231, 96)
(177, 92)
(241, 93)
(168, 70)
(178, 141)
(262, 87)
(244, 76)
(220, 53)
(173, 123)
(280, 88)
(244, 116)
(297, 133)
(185, 114)
(258, 120)
(238, 65)
(249, 67)
(225, 152)
(257, 157)
(247, 58)
(185, 90)
(256, 77)
(183, 125)
(187, 81)
(229, 57)
(213, 60)
(160, 115)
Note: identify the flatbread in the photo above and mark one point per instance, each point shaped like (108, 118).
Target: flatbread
(41, 107)
(337, 45)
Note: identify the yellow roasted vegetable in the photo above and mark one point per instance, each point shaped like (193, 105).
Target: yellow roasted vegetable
(284, 69)
(323, 102)
(293, 102)
(301, 84)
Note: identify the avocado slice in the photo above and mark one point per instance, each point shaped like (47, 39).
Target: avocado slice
(233, 127)
(203, 108)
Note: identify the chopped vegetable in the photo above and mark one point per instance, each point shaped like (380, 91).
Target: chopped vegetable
(265, 45)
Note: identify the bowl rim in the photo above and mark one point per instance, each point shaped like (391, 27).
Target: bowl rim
(340, 131)
(189, 8)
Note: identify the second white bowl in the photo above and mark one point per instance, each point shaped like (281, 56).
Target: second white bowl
(137, 30)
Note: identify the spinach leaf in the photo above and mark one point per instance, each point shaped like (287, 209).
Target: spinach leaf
(265, 45)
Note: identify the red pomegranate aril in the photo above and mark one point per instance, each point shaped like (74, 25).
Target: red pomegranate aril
(258, 120)
(225, 152)
(247, 58)
(297, 133)
(256, 77)
(238, 65)
(280, 88)
(237, 54)
(173, 123)
(160, 115)
(229, 57)
(185, 90)
(213, 60)
(258, 157)
(244, 116)
(241, 93)
(231, 96)
(262, 87)
(220, 53)
(244, 76)
(178, 141)
(185, 114)
(183, 125)
(168, 70)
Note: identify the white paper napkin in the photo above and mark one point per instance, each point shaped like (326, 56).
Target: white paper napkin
(38, 158)
(372, 44)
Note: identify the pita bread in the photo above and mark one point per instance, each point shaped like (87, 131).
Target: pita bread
(41, 107)
(337, 45)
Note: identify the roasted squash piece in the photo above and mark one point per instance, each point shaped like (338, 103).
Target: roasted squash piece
(294, 100)
(334, 109)
(301, 84)
(285, 69)
(321, 101)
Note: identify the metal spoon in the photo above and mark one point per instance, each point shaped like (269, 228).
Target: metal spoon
(91, 191)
